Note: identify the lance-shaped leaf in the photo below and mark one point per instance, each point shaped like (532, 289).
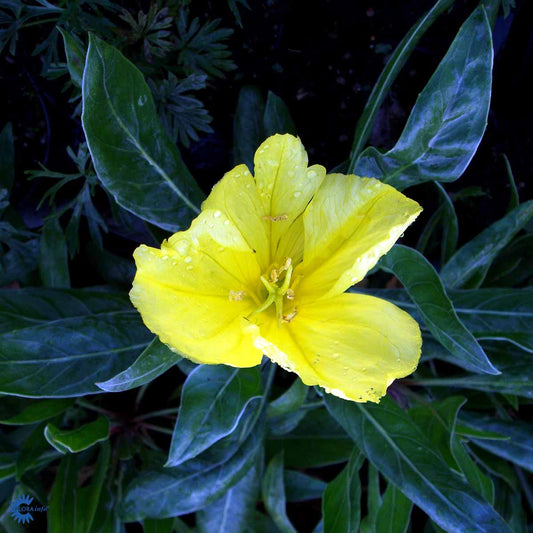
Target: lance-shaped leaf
(21, 411)
(277, 118)
(518, 448)
(341, 505)
(160, 493)
(317, 441)
(468, 267)
(233, 512)
(449, 118)
(248, 126)
(273, 490)
(398, 448)
(153, 361)
(393, 67)
(133, 156)
(53, 257)
(394, 513)
(79, 439)
(213, 400)
(427, 292)
(58, 343)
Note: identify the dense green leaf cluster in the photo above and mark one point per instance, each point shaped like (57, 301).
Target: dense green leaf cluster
(108, 426)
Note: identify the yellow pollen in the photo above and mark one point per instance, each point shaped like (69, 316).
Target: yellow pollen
(290, 316)
(236, 296)
(276, 218)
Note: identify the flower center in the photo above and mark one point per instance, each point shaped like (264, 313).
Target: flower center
(278, 288)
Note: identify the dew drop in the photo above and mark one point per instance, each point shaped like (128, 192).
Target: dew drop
(142, 100)
(188, 259)
(311, 174)
(297, 193)
(217, 214)
(226, 222)
(189, 267)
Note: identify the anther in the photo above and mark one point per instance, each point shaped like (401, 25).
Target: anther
(236, 296)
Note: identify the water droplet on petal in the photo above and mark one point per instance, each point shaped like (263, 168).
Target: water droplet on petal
(311, 174)
(226, 222)
(297, 193)
(189, 267)
(217, 214)
(188, 259)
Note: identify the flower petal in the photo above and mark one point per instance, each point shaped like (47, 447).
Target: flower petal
(285, 185)
(350, 223)
(236, 195)
(353, 345)
(195, 291)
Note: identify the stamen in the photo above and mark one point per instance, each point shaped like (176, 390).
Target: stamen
(276, 218)
(290, 316)
(236, 296)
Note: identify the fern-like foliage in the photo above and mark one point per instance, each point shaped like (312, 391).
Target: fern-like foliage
(182, 115)
(202, 47)
(81, 204)
(152, 30)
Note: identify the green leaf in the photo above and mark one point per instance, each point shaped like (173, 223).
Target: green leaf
(58, 343)
(394, 513)
(233, 512)
(79, 439)
(133, 157)
(437, 421)
(300, 487)
(166, 525)
(449, 118)
(469, 265)
(20, 411)
(248, 126)
(514, 379)
(395, 445)
(35, 452)
(317, 441)
(61, 513)
(393, 67)
(514, 202)
(7, 158)
(80, 509)
(373, 501)
(498, 314)
(518, 449)
(153, 361)
(75, 53)
(341, 505)
(89, 496)
(53, 256)
(213, 401)
(289, 401)
(277, 118)
(274, 494)
(513, 266)
(160, 493)
(427, 292)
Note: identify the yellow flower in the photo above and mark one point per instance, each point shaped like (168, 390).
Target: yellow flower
(263, 270)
